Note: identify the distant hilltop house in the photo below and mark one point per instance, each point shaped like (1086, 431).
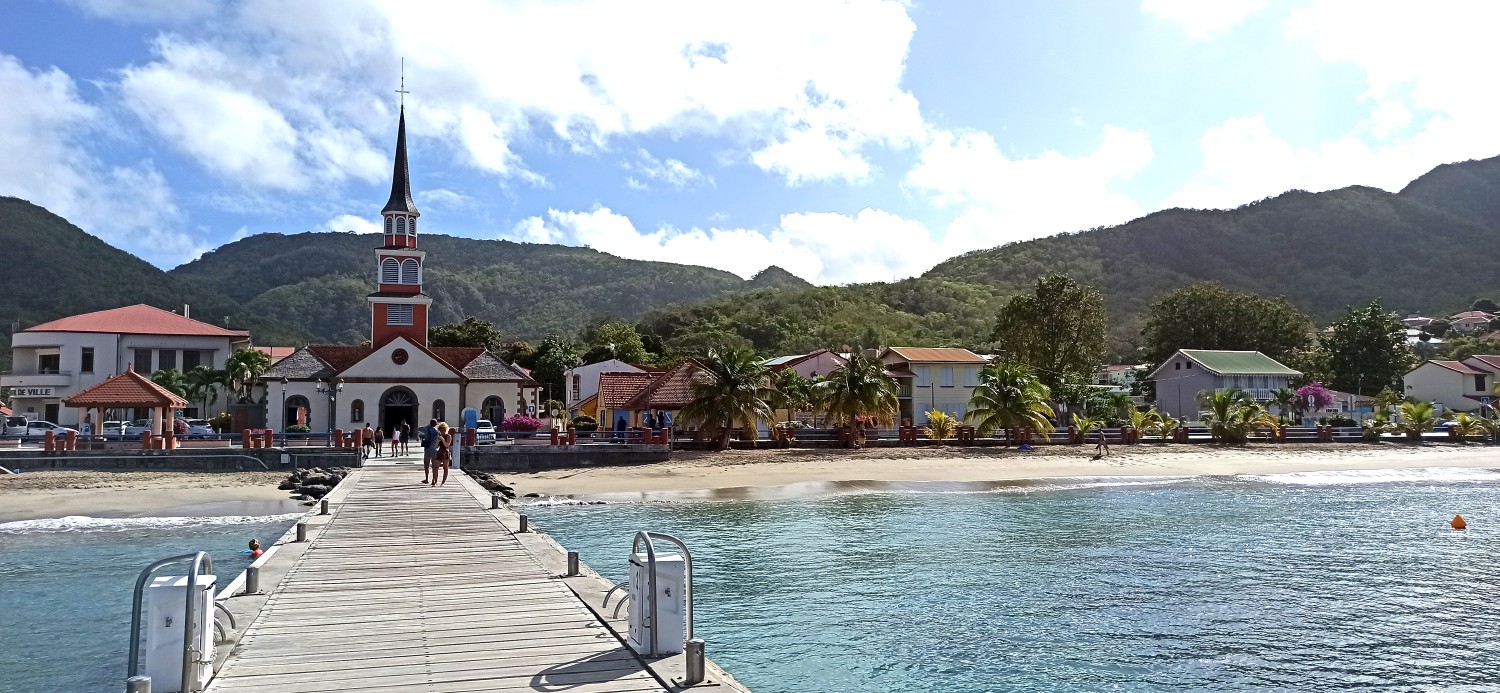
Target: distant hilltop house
(1189, 372)
(1120, 376)
(1463, 385)
(57, 359)
(1471, 322)
(928, 379)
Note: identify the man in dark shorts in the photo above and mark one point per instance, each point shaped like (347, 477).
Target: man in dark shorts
(368, 435)
(429, 446)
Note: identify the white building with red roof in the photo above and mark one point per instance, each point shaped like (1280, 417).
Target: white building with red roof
(1463, 385)
(58, 359)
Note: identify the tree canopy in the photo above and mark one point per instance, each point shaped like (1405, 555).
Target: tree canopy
(1367, 350)
(472, 332)
(1057, 329)
(1209, 315)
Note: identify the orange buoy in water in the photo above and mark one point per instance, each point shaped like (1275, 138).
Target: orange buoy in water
(1458, 522)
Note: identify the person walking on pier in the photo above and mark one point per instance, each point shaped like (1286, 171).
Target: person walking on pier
(405, 438)
(368, 438)
(442, 454)
(429, 446)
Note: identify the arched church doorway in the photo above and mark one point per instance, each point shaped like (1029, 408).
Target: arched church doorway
(397, 406)
(493, 410)
(296, 404)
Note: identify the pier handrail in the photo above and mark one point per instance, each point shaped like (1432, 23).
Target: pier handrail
(687, 590)
(199, 560)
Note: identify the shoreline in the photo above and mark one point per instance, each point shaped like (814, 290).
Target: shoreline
(102, 494)
(771, 474)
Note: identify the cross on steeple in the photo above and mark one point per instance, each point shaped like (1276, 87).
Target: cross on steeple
(402, 91)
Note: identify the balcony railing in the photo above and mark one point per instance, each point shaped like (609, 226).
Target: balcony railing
(38, 371)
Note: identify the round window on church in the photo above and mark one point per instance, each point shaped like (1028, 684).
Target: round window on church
(398, 356)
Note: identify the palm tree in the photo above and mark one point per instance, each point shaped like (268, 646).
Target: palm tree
(1010, 396)
(1165, 426)
(791, 392)
(245, 367)
(1117, 405)
(203, 386)
(1144, 422)
(1416, 419)
(940, 425)
(1233, 415)
(859, 389)
(171, 379)
(1465, 425)
(1378, 426)
(1085, 424)
(729, 387)
(1285, 399)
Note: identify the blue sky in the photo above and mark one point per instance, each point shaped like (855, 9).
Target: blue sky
(844, 141)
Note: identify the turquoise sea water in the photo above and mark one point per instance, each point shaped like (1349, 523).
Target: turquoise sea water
(1306, 582)
(65, 590)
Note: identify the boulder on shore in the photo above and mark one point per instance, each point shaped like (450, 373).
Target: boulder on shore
(491, 484)
(313, 483)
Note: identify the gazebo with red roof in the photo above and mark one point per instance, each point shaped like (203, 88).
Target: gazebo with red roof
(128, 390)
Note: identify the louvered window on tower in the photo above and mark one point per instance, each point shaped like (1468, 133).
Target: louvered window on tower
(413, 227)
(398, 314)
(409, 272)
(401, 226)
(390, 271)
(388, 224)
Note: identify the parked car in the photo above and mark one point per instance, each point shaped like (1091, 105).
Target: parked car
(484, 432)
(38, 429)
(14, 426)
(135, 428)
(113, 429)
(200, 428)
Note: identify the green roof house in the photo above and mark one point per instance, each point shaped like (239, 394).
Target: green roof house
(1189, 372)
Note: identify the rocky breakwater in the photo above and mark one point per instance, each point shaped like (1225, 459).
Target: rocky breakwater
(312, 484)
(491, 484)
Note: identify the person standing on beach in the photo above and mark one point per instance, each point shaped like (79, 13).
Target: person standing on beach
(429, 446)
(442, 452)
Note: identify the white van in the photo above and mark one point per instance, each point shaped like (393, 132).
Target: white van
(14, 426)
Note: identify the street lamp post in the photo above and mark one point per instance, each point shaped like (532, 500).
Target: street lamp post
(283, 405)
(332, 389)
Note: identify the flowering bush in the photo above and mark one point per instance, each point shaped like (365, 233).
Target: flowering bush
(1321, 397)
(521, 423)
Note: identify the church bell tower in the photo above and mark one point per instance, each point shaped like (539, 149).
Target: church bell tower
(398, 307)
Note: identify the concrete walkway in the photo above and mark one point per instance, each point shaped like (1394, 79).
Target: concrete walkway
(415, 588)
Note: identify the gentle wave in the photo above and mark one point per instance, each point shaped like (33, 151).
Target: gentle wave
(1377, 476)
(84, 523)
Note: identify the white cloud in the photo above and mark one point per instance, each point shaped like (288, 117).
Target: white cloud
(1002, 199)
(1201, 19)
(129, 206)
(222, 110)
(147, 11)
(351, 224)
(804, 99)
(822, 247)
(444, 199)
(671, 172)
(1423, 66)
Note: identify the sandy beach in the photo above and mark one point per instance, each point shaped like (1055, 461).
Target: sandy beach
(776, 473)
(45, 494)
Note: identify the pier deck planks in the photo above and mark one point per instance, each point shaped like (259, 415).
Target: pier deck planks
(414, 588)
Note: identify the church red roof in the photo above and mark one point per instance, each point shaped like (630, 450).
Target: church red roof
(128, 389)
(136, 319)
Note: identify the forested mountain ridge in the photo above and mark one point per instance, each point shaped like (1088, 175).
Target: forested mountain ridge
(1423, 248)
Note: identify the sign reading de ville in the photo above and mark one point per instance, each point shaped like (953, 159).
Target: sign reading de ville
(31, 392)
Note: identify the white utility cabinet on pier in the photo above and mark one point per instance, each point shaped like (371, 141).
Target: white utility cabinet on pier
(166, 601)
(669, 620)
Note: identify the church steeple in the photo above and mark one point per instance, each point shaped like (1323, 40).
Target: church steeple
(398, 307)
(401, 202)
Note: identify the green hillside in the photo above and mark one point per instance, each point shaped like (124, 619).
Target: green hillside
(53, 269)
(312, 286)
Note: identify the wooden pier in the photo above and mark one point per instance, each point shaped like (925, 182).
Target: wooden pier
(414, 588)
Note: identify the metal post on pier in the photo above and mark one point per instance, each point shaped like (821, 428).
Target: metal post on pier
(323, 510)
(693, 652)
(252, 579)
(572, 564)
(138, 684)
(301, 532)
(525, 524)
(494, 501)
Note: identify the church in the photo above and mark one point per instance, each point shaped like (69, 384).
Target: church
(396, 378)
